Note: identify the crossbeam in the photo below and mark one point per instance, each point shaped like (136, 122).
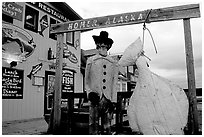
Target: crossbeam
(156, 15)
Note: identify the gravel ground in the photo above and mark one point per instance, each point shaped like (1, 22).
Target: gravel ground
(26, 127)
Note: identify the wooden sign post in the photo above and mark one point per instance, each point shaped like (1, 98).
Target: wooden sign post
(58, 84)
(184, 12)
(193, 113)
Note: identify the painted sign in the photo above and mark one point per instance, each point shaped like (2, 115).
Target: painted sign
(53, 66)
(69, 55)
(12, 83)
(13, 10)
(43, 24)
(67, 81)
(76, 43)
(67, 86)
(162, 14)
(72, 53)
(17, 44)
(49, 90)
(34, 70)
(49, 10)
(100, 22)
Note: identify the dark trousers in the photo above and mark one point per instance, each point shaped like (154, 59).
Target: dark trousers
(103, 110)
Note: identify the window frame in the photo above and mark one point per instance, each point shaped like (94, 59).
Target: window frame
(6, 18)
(33, 13)
(70, 41)
(53, 36)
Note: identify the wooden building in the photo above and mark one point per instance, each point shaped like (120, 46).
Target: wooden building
(28, 58)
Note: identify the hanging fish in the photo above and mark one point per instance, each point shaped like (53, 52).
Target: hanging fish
(157, 106)
(43, 24)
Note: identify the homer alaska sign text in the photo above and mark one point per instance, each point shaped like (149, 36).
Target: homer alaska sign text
(163, 14)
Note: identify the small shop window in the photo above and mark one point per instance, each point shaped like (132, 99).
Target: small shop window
(70, 38)
(7, 18)
(124, 86)
(53, 21)
(130, 69)
(31, 19)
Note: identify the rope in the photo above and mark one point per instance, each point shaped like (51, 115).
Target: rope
(152, 39)
(145, 28)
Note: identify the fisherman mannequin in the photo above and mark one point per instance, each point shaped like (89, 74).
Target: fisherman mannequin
(101, 77)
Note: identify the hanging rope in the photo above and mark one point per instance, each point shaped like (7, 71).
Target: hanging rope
(145, 28)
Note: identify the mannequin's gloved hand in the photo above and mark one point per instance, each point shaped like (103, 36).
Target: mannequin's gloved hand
(94, 98)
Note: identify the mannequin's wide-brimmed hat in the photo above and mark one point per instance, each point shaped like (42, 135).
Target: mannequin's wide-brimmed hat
(103, 38)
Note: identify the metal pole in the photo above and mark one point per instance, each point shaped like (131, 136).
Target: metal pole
(58, 84)
(193, 113)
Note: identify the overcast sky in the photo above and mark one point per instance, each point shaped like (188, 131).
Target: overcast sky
(170, 61)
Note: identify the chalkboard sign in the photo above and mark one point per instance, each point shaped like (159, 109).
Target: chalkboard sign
(12, 83)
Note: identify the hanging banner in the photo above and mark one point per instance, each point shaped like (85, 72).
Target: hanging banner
(12, 83)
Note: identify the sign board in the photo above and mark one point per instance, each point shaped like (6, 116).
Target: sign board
(163, 14)
(13, 10)
(67, 86)
(12, 83)
(49, 90)
(72, 53)
(49, 10)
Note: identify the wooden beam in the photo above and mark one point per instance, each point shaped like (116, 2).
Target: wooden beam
(162, 14)
(58, 84)
(193, 113)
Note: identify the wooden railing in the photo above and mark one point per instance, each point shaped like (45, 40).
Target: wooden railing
(121, 109)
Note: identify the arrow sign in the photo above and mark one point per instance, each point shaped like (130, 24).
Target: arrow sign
(34, 70)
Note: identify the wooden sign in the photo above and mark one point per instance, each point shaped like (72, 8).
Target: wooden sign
(12, 83)
(163, 14)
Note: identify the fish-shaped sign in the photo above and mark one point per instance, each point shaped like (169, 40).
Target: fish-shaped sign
(76, 44)
(69, 55)
(34, 70)
(17, 44)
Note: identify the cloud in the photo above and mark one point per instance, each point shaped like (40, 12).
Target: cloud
(170, 61)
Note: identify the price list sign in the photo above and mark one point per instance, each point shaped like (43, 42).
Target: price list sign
(12, 83)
